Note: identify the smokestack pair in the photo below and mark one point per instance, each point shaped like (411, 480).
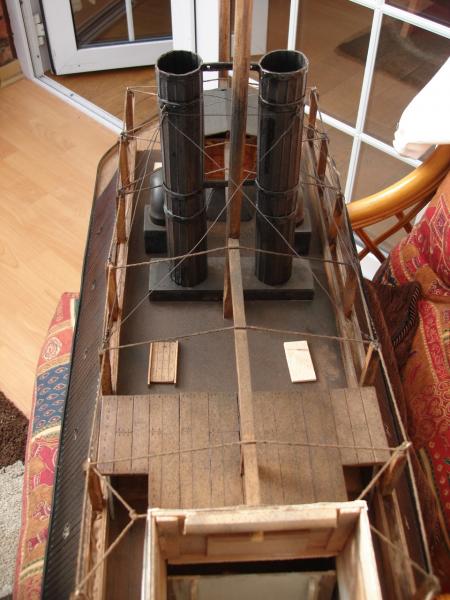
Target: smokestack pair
(282, 89)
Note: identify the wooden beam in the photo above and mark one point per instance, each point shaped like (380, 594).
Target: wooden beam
(368, 370)
(106, 375)
(390, 477)
(336, 220)
(349, 291)
(224, 33)
(239, 100)
(121, 229)
(313, 105)
(95, 491)
(129, 110)
(245, 392)
(322, 161)
(124, 167)
(279, 518)
(113, 301)
(397, 566)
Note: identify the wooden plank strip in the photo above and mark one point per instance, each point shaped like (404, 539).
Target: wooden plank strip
(273, 518)
(290, 476)
(124, 434)
(141, 434)
(218, 476)
(376, 427)
(229, 414)
(245, 395)
(107, 435)
(270, 470)
(343, 427)
(186, 474)
(155, 445)
(262, 451)
(170, 489)
(347, 521)
(201, 468)
(328, 476)
(303, 454)
(359, 425)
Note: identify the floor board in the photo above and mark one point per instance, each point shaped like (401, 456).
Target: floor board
(49, 153)
(309, 470)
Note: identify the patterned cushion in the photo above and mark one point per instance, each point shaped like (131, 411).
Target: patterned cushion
(424, 256)
(43, 439)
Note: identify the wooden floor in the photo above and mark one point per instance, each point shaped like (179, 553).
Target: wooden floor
(49, 153)
(134, 427)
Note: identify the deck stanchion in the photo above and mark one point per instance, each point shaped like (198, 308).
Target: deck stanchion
(313, 105)
(121, 230)
(349, 291)
(129, 110)
(282, 87)
(113, 301)
(336, 220)
(106, 374)
(123, 161)
(322, 162)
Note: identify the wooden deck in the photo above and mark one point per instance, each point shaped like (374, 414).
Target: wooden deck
(133, 427)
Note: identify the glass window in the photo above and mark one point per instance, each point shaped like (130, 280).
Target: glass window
(436, 10)
(340, 148)
(278, 24)
(334, 35)
(377, 170)
(405, 62)
(152, 19)
(106, 20)
(101, 21)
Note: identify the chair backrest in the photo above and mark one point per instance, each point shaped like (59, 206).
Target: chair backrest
(403, 200)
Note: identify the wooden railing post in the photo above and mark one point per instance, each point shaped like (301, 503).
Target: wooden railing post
(313, 105)
(349, 291)
(106, 375)
(129, 111)
(121, 230)
(113, 301)
(336, 220)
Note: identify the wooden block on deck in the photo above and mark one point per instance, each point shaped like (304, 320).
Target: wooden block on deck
(163, 362)
(299, 361)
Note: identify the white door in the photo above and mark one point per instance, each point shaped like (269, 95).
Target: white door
(93, 35)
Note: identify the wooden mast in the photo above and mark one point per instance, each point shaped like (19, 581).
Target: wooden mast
(233, 302)
(224, 33)
(239, 94)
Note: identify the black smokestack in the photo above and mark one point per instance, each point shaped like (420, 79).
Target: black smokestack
(281, 107)
(180, 92)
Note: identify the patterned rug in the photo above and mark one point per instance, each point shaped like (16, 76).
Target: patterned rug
(13, 438)
(52, 380)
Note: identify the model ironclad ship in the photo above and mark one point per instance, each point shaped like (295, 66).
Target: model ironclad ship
(240, 437)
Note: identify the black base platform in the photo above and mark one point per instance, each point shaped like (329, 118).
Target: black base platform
(155, 238)
(299, 287)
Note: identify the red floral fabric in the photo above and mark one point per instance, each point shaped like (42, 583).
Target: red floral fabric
(424, 256)
(52, 380)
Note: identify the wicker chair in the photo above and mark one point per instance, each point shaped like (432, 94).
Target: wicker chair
(403, 200)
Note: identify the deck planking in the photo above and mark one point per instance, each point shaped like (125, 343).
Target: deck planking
(311, 434)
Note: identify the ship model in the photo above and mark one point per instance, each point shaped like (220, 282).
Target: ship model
(230, 428)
